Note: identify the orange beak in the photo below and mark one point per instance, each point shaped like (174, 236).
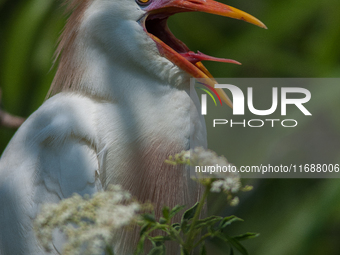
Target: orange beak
(169, 46)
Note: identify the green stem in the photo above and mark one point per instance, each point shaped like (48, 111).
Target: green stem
(191, 233)
(167, 230)
(201, 240)
(175, 233)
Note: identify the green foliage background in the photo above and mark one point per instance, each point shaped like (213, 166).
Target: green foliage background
(294, 216)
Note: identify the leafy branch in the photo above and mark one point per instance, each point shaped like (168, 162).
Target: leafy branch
(91, 222)
(191, 233)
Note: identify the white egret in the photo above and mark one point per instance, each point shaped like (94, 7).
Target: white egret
(119, 107)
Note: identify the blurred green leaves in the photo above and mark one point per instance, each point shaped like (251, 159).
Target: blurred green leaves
(301, 40)
(29, 32)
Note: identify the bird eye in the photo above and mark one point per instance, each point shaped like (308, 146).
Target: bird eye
(143, 2)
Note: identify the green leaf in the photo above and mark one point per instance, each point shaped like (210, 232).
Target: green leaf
(166, 212)
(140, 246)
(231, 251)
(232, 241)
(144, 229)
(210, 221)
(162, 227)
(203, 250)
(160, 238)
(228, 220)
(184, 226)
(173, 233)
(163, 220)
(159, 250)
(189, 214)
(175, 210)
(246, 236)
(148, 217)
(176, 226)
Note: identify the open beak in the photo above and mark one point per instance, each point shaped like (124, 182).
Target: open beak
(155, 24)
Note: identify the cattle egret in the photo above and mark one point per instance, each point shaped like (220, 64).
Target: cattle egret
(119, 105)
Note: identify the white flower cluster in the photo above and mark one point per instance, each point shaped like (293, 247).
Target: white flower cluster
(228, 182)
(227, 185)
(202, 157)
(198, 156)
(89, 223)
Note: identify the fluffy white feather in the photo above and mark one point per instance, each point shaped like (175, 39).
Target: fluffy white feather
(124, 110)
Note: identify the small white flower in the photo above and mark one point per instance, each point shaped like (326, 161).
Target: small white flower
(235, 201)
(227, 185)
(89, 223)
(228, 182)
(216, 186)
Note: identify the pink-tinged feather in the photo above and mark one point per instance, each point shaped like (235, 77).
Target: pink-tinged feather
(69, 73)
(159, 183)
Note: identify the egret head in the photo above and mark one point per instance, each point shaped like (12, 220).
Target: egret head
(134, 33)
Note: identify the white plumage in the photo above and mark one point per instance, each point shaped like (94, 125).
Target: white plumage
(119, 108)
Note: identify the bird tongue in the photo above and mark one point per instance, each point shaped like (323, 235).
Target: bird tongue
(199, 56)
